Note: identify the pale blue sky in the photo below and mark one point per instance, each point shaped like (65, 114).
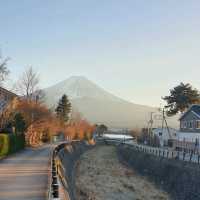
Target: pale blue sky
(136, 49)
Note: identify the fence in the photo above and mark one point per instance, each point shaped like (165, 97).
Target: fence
(54, 181)
(160, 152)
(59, 185)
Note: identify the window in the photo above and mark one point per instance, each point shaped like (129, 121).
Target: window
(198, 124)
(160, 133)
(183, 124)
(190, 124)
(175, 134)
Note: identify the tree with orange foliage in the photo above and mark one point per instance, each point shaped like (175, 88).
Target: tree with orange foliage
(33, 111)
(79, 130)
(38, 120)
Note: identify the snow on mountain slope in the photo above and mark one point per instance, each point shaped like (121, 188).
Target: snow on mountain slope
(78, 87)
(99, 106)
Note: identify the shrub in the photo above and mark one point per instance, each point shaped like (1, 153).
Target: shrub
(19, 123)
(4, 140)
(10, 143)
(19, 142)
(1, 143)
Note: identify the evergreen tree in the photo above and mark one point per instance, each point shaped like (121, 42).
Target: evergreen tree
(19, 123)
(180, 98)
(63, 109)
(101, 129)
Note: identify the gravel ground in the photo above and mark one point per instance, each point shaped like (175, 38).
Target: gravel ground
(100, 176)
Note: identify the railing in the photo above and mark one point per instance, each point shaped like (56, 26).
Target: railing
(57, 184)
(53, 192)
(160, 152)
(54, 181)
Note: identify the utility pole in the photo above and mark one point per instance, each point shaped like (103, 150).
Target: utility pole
(150, 126)
(164, 121)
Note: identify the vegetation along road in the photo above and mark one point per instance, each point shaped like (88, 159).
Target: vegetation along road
(24, 176)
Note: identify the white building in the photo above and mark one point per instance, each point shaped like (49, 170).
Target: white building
(188, 138)
(165, 134)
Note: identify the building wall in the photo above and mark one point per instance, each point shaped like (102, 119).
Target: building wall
(5, 97)
(163, 135)
(188, 119)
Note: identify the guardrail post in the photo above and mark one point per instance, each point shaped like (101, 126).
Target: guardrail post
(191, 156)
(178, 155)
(167, 154)
(184, 156)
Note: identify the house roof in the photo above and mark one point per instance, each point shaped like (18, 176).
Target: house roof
(164, 128)
(7, 92)
(195, 109)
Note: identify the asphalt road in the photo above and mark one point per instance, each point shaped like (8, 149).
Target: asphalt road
(24, 176)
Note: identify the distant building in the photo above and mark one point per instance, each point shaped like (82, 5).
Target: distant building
(165, 134)
(190, 120)
(189, 135)
(60, 137)
(5, 98)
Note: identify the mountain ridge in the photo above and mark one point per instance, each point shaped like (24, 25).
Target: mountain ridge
(97, 105)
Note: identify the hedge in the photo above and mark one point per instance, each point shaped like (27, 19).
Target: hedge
(4, 145)
(11, 143)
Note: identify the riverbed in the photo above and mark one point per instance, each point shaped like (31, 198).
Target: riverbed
(100, 176)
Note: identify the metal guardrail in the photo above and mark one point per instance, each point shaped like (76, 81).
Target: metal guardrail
(53, 190)
(55, 179)
(49, 194)
(54, 182)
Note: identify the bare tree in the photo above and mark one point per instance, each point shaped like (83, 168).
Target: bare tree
(3, 69)
(28, 84)
(39, 96)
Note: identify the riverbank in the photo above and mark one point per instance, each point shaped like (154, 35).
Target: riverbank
(180, 179)
(100, 175)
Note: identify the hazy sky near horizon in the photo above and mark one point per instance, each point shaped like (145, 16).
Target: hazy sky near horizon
(135, 49)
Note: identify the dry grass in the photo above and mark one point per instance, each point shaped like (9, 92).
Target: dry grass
(100, 176)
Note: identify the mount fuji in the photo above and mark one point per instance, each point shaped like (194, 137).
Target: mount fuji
(100, 106)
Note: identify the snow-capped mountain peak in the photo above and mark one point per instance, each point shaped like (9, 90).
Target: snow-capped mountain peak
(98, 105)
(79, 87)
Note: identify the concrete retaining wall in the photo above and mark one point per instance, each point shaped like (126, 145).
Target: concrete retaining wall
(178, 178)
(66, 161)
